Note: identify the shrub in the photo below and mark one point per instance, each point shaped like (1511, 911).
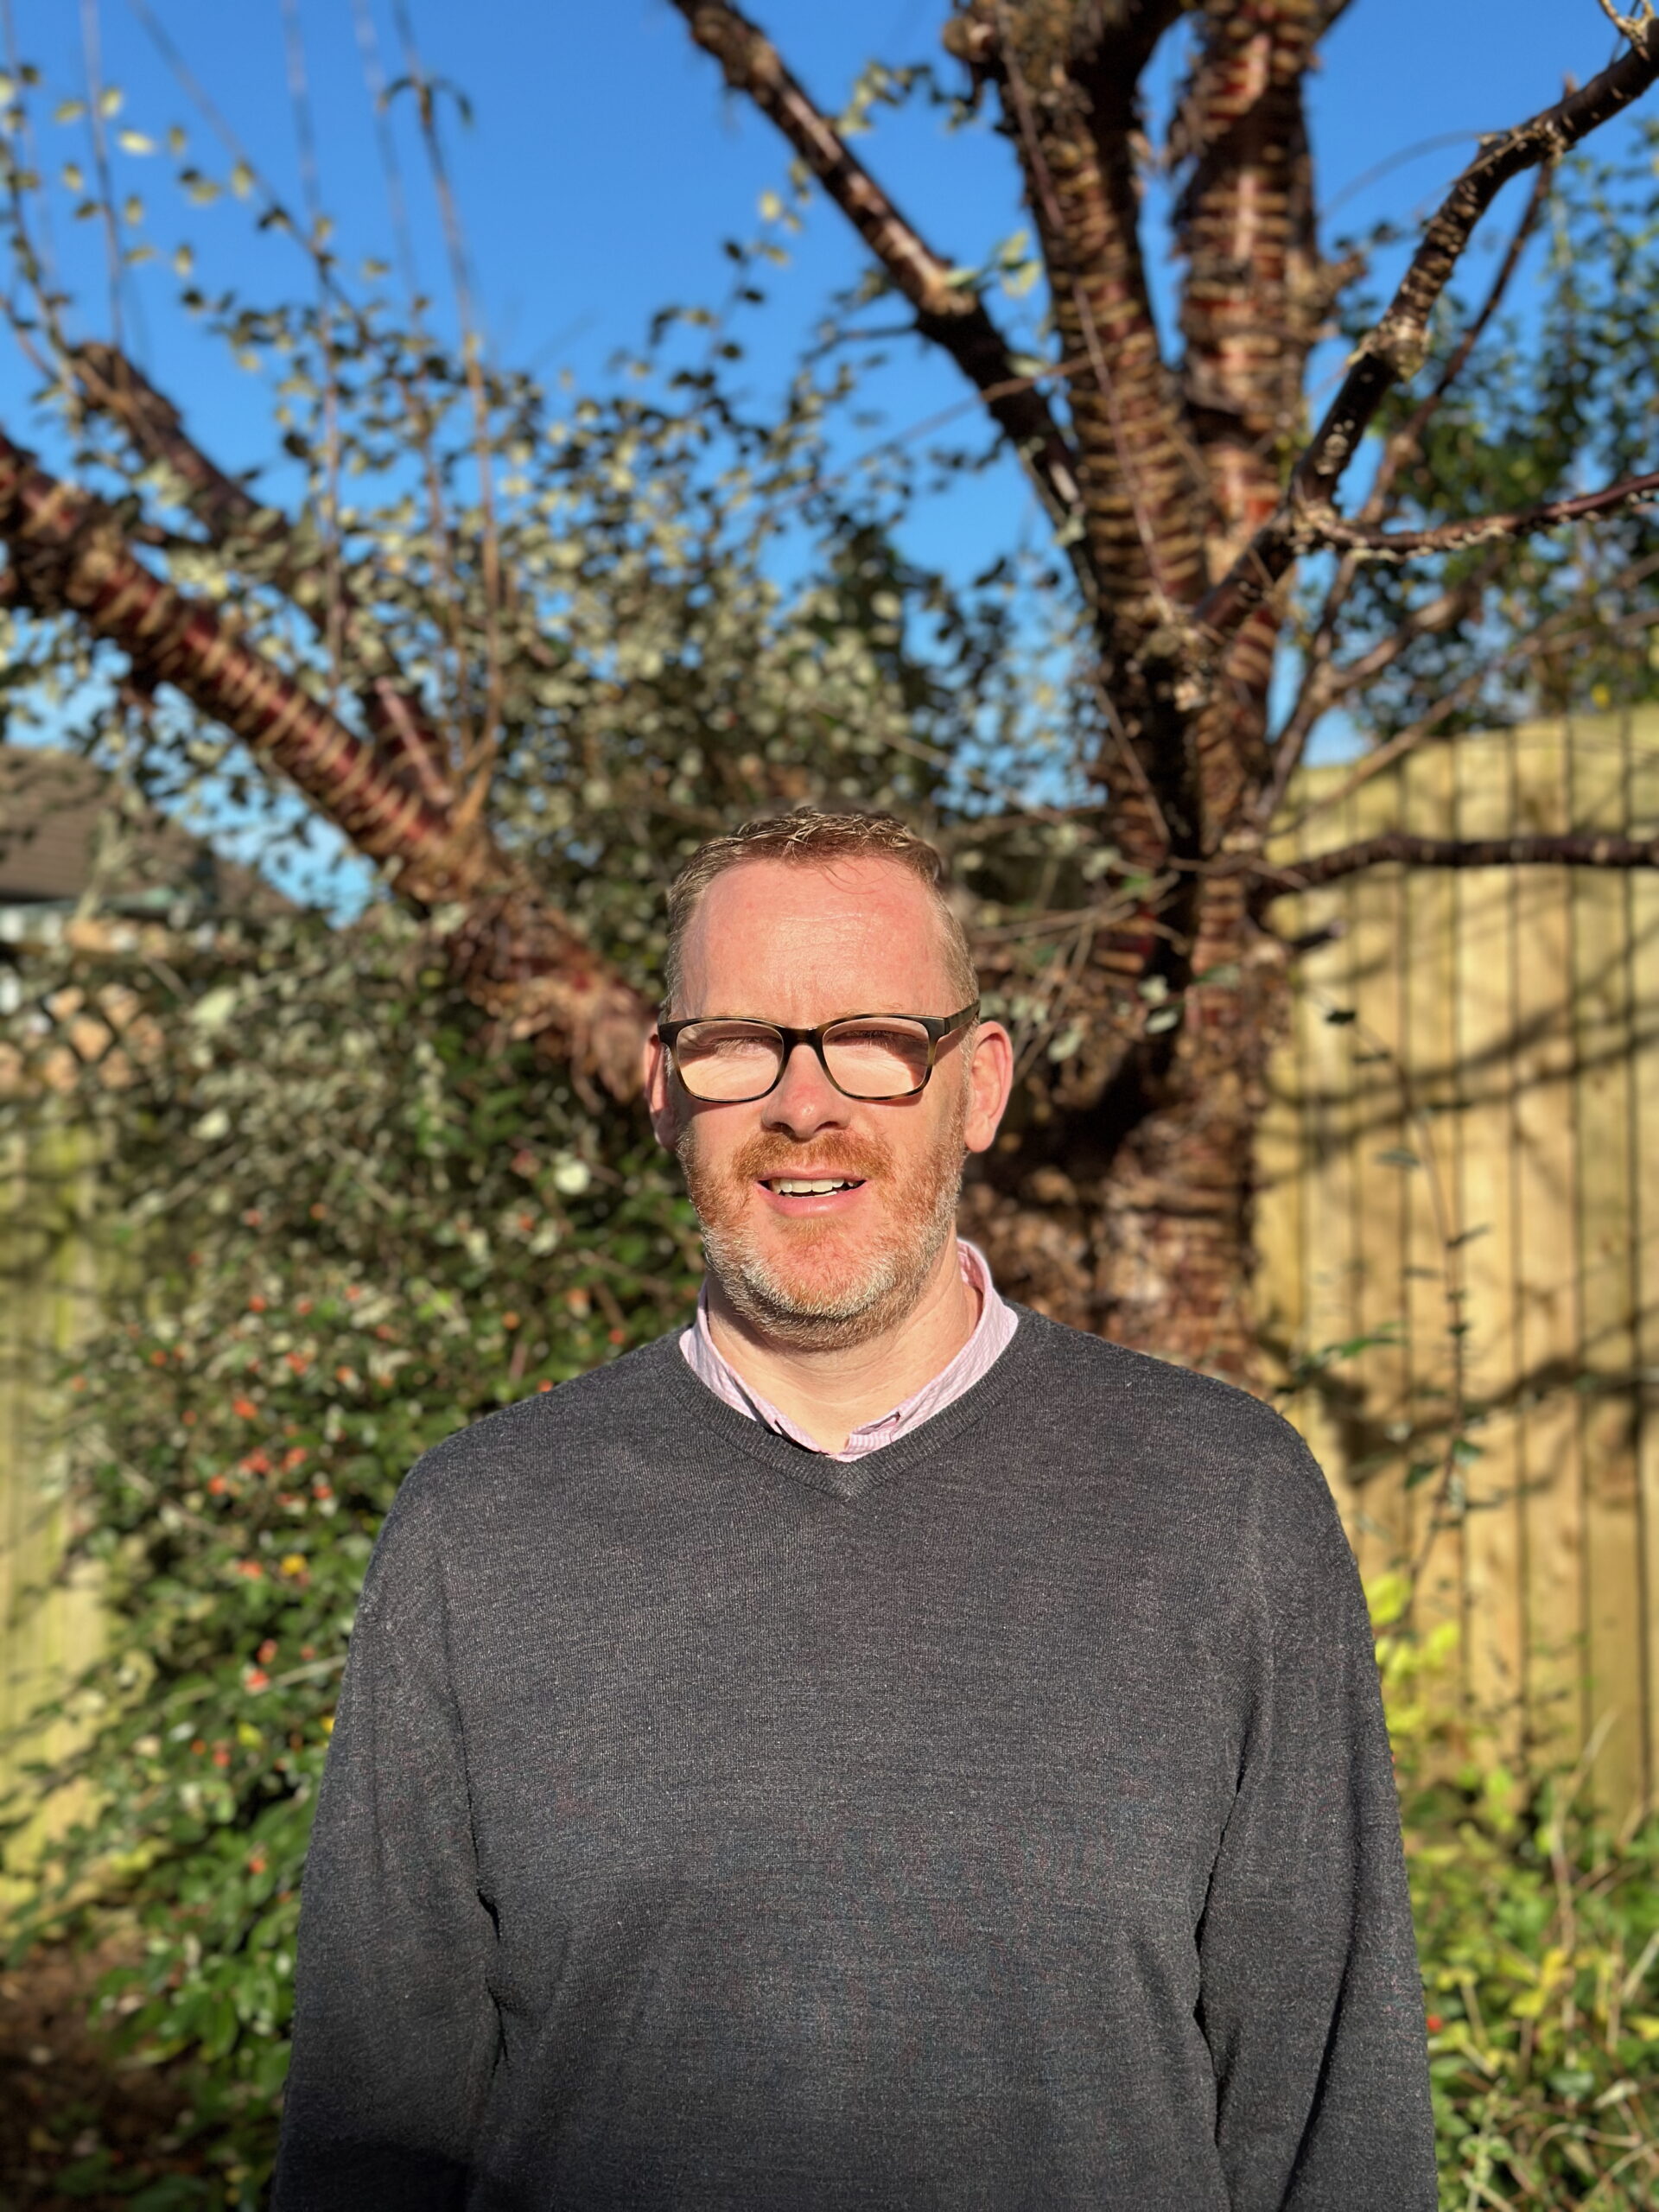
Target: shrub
(1538, 1931)
(345, 1242)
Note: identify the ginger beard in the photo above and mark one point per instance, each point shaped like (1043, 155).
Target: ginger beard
(815, 1283)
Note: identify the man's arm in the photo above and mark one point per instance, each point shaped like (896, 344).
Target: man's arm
(1310, 1997)
(395, 2031)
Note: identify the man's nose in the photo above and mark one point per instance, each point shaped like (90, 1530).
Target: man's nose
(806, 1100)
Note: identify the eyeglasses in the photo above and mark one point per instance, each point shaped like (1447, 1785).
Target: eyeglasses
(874, 1057)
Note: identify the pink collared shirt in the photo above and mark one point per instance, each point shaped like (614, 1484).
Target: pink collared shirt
(993, 1334)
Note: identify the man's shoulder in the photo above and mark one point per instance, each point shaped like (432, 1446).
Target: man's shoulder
(1142, 1387)
(1191, 1429)
(613, 1413)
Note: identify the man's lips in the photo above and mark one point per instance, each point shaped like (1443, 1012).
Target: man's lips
(808, 1194)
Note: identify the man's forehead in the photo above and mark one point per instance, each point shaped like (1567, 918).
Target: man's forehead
(872, 915)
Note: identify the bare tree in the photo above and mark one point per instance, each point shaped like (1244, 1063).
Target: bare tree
(1186, 495)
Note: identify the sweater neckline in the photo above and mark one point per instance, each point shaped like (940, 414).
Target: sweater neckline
(848, 1480)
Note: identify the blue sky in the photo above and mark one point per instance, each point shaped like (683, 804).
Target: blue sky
(606, 164)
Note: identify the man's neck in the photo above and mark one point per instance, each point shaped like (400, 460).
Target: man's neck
(830, 1390)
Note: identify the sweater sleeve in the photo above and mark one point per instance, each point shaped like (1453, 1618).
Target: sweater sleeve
(395, 2031)
(1310, 1995)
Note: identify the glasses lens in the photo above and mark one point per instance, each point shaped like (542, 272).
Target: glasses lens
(728, 1060)
(877, 1059)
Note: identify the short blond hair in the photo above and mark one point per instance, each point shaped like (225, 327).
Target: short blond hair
(808, 838)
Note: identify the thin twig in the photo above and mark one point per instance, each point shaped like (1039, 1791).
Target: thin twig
(310, 184)
(1553, 635)
(95, 119)
(385, 138)
(480, 768)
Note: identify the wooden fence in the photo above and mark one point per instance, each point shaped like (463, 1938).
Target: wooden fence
(1461, 1164)
(52, 1264)
(1461, 1172)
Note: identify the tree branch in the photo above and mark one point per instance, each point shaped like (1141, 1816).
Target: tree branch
(947, 312)
(1393, 349)
(1406, 442)
(1072, 104)
(1253, 298)
(1429, 620)
(1554, 635)
(1569, 850)
(1317, 688)
(515, 954)
(1371, 544)
(403, 731)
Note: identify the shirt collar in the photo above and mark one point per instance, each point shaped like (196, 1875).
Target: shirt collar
(993, 1333)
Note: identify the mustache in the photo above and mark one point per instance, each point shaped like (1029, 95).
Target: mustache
(861, 1159)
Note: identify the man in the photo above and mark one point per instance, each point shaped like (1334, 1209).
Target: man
(877, 1748)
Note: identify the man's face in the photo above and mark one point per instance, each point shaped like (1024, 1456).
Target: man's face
(799, 946)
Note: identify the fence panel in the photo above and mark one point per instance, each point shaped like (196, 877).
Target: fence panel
(53, 1262)
(1492, 1075)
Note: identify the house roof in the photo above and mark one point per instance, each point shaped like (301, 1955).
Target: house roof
(60, 830)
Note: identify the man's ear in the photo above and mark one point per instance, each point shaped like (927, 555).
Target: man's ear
(990, 1080)
(659, 1094)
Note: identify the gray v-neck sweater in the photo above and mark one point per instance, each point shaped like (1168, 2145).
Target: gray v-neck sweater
(1004, 1818)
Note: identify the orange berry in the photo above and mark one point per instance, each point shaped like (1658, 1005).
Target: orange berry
(267, 1651)
(221, 1755)
(256, 1304)
(245, 1408)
